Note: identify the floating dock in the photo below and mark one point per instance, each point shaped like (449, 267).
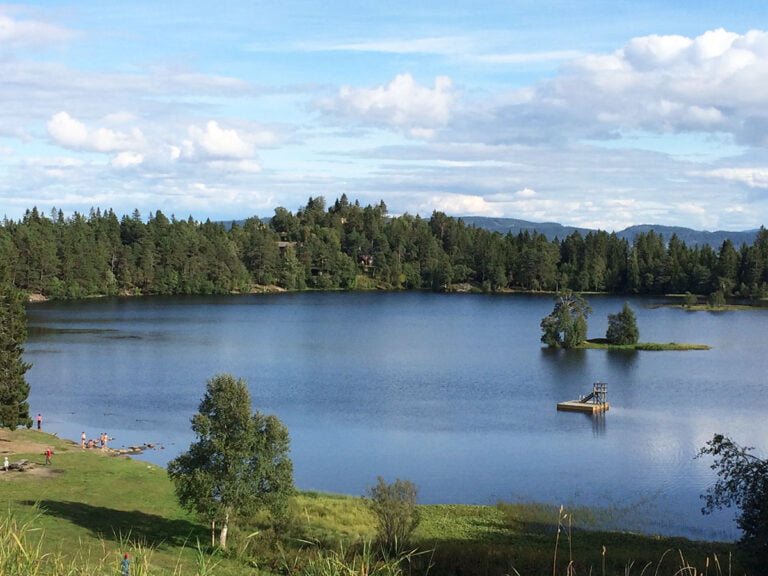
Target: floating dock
(593, 403)
(581, 406)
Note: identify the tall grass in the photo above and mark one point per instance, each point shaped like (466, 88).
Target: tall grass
(360, 561)
(23, 553)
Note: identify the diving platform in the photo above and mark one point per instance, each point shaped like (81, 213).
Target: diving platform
(594, 403)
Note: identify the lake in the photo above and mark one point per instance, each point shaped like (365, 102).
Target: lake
(453, 392)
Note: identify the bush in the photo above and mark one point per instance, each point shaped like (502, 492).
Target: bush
(395, 508)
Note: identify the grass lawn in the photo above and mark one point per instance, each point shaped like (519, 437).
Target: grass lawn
(89, 507)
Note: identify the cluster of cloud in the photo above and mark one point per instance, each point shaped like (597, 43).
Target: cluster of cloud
(402, 103)
(546, 151)
(219, 147)
(714, 83)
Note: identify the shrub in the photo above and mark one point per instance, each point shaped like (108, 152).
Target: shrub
(395, 508)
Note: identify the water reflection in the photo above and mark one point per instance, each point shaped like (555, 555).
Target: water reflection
(623, 360)
(598, 423)
(564, 362)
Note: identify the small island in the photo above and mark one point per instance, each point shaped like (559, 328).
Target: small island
(603, 344)
(566, 327)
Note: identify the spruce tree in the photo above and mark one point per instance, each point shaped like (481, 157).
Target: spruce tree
(622, 327)
(14, 389)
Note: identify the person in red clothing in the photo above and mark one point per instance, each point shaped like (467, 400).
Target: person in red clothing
(48, 454)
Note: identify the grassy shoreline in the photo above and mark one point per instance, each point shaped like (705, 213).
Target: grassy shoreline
(90, 507)
(603, 344)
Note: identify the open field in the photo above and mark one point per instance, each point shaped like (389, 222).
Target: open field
(89, 507)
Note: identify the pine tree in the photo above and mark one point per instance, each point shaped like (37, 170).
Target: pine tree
(566, 326)
(14, 389)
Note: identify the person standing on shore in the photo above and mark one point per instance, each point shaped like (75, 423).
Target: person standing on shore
(39, 421)
(82, 440)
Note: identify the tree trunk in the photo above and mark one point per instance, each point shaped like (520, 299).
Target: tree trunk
(223, 533)
(213, 534)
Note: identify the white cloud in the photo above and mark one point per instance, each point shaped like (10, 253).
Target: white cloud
(67, 131)
(30, 32)
(402, 103)
(752, 177)
(58, 168)
(127, 159)
(435, 45)
(215, 142)
(464, 204)
(236, 166)
(714, 83)
(71, 133)
(528, 57)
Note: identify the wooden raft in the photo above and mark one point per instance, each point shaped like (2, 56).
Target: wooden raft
(593, 403)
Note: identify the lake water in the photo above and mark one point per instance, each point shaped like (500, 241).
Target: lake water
(452, 392)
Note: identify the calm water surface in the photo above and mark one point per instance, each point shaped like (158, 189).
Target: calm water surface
(453, 392)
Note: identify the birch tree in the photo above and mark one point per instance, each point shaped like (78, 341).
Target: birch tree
(239, 462)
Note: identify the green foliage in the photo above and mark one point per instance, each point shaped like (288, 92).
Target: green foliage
(14, 389)
(394, 506)
(566, 326)
(329, 247)
(622, 327)
(239, 463)
(742, 483)
(717, 298)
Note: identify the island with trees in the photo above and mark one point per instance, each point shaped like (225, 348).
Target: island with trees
(566, 327)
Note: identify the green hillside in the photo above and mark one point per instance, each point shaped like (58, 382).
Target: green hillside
(82, 513)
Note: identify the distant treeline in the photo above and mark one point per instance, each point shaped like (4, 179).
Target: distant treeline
(348, 247)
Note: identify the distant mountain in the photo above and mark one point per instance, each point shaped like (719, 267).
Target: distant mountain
(554, 230)
(692, 237)
(551, 230)
(515, 226)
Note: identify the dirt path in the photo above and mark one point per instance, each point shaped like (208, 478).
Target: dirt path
(28, 442)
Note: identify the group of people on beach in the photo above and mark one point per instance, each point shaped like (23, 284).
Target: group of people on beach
(101, 442)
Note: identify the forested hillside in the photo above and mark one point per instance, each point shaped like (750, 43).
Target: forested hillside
(348, 247)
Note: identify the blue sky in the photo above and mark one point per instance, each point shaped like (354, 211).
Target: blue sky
(598, 114)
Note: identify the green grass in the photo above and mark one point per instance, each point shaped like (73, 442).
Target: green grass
(602, 344)
(90, 508)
